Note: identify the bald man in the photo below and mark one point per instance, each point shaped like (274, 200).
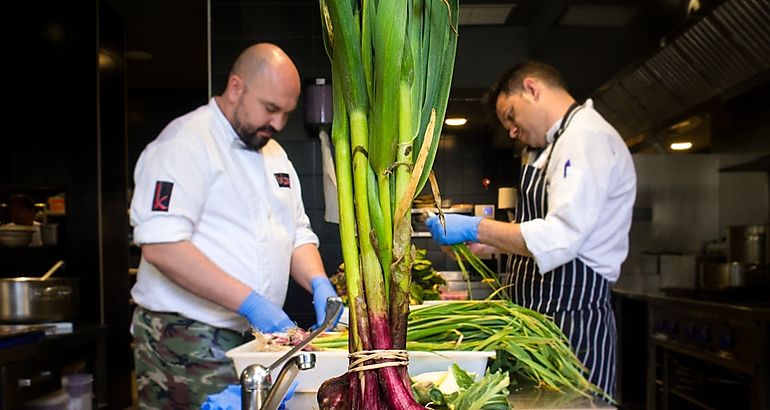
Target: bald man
(218, 213)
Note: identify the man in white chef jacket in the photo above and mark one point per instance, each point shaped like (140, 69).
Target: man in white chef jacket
(576, 195)
(217, 210)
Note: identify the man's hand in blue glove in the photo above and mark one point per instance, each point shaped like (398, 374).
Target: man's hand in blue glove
(459, 229)
(323, 289)
(230, 398)
(264, 315)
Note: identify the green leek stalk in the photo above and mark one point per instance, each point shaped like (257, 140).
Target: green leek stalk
(339, 27)
(389, 35)
(439, 67)
(359, 339)
(402, 252)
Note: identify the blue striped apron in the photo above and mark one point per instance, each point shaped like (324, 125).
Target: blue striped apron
(576, 297)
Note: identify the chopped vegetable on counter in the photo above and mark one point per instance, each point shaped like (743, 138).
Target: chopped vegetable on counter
(276, 342)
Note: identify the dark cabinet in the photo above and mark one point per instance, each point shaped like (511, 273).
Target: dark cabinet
(32, 369)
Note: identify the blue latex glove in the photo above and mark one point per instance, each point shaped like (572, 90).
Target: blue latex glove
(230, 398)
(264, 315)
(289, 395)
(459, 229)
(323, 289)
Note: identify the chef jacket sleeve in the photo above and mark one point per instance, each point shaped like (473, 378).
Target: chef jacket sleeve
(170, 189)
(578, 177)
(304, 232)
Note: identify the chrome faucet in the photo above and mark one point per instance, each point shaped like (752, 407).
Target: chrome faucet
(257, 389)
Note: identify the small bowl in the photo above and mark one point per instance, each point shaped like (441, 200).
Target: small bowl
(16, 236)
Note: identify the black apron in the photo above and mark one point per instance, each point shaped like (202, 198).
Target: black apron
(576, 297)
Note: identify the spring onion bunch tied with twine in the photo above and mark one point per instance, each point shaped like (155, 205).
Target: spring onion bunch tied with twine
(540, 351)
(392, 64)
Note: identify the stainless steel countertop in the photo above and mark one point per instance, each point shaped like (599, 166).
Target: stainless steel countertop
(738, 305)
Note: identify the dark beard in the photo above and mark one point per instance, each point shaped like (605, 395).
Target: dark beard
(253, 141)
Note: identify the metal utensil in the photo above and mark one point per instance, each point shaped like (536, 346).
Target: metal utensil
(53, 269)
(333, 308)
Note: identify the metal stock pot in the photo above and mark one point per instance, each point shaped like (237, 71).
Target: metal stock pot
(34, 300)
(731, 275)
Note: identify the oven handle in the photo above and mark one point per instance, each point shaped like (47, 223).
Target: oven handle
(35, 380)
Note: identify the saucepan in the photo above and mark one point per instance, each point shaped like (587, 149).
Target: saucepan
(731, 275)
(38, 299)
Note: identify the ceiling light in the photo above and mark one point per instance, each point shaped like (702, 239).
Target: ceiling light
(106, 60)
(681, 146)
(455, 122)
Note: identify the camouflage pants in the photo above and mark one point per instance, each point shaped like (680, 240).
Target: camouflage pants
(180, 361)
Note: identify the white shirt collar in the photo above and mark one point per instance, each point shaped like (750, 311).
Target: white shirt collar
(233, 138)
(551, 133)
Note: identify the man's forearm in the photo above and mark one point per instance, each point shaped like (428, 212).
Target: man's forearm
(306, 264)
(504, 236)
(184, 264)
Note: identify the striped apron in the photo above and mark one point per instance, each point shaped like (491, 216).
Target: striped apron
(576, 297)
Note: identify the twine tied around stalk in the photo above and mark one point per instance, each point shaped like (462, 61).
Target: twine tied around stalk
(401, 358)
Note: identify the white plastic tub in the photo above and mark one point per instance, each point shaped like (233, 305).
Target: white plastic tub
(334, 363)
(79, 389)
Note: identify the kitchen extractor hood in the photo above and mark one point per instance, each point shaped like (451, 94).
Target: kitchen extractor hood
(717, 56)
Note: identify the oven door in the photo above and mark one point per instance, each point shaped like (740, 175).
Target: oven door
(706, 355)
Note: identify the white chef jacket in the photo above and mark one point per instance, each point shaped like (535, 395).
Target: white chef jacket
(591, 192)
(241, 208)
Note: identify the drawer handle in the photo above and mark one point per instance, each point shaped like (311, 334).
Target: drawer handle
(34, 381)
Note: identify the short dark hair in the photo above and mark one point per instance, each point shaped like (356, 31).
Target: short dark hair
(512, 79)
(23, 200)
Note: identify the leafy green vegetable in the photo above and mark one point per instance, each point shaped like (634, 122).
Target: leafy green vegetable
(489, 393)
(424, 285)
(425, 279)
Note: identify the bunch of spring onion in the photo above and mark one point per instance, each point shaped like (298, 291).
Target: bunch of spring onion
(540, 349)
(467, 259)
(392, 64)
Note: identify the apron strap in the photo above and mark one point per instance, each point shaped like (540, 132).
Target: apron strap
(563, 126)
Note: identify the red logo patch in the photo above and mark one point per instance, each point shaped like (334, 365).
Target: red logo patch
(283, 180)
(162, 197)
